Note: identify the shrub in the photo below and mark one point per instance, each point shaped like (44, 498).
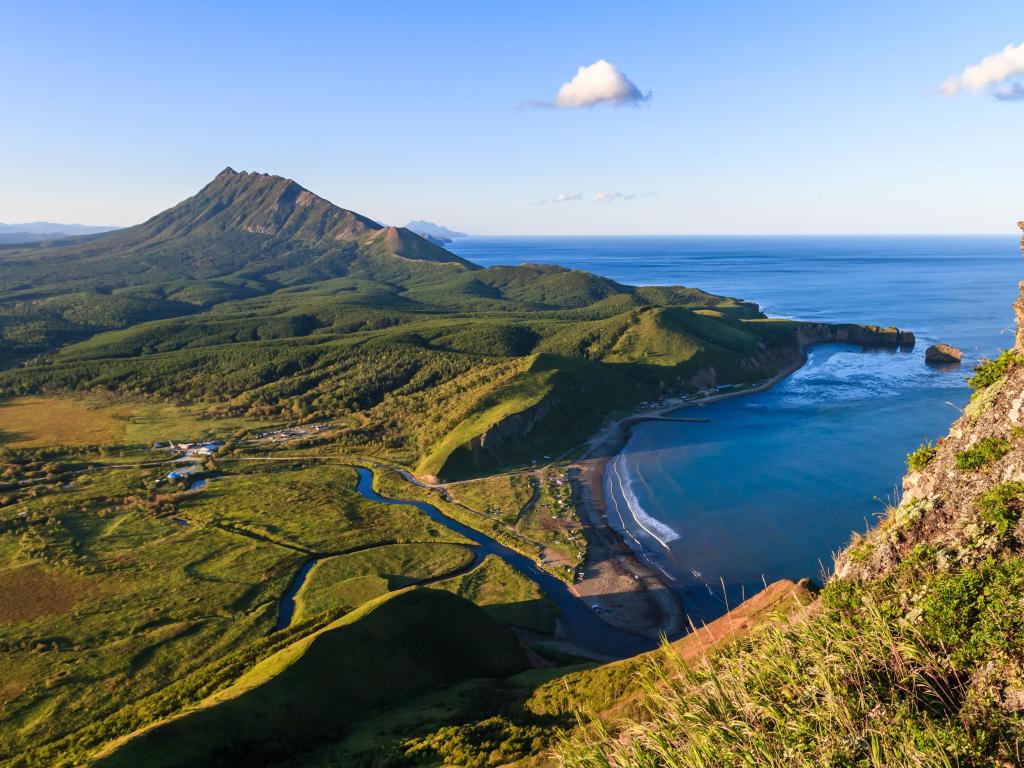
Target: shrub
(976, 614)
(1001, 507)
(885, 673)
(982, 453)
(990, 371)
(921, 458)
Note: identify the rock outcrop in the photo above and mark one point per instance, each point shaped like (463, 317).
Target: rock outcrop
(864, 335)
(513, 426)
(942, 353)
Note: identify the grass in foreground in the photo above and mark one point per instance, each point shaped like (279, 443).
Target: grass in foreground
(910, 671)
(412, 641)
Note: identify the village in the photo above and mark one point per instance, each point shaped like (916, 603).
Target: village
(192, 455)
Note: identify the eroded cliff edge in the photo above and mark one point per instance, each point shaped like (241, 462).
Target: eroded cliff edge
(944, 499)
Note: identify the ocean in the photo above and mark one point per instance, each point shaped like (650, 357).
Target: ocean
(776, 482)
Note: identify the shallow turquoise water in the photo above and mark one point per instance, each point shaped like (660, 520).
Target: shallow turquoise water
(777, 481)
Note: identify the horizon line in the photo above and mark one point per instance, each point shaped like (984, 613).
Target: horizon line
(743, 234)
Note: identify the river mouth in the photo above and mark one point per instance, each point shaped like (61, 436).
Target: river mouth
(777, 481)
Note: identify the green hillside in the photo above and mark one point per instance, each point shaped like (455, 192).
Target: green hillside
(312, 340)
(912, 657)
(269, 303)
(313, 692)
(242, 235)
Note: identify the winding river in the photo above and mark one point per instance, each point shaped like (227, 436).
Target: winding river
(579, 625)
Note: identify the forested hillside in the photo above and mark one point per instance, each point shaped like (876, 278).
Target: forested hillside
(242, 235)
(256, 298)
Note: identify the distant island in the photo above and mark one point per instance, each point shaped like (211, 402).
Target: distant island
(435, 232)
(39, 231)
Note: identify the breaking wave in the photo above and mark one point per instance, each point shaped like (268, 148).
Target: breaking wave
(657, 529)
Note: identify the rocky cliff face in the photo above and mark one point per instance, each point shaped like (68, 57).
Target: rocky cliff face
(511, 427)
(865, 335)
(912, 656)
(1018, 306)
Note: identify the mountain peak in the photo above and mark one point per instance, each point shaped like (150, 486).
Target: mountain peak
(259, 203)
(246, 203)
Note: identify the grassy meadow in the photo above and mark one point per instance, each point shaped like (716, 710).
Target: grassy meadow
(539, 506)
(84, 420)
(114, 582)
(354, 579)
(130, 601)
(406, 643)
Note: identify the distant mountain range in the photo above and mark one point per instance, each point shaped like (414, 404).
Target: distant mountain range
(434, 232)
(37, 231)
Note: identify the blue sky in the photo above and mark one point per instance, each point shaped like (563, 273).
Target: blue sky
(782, 117)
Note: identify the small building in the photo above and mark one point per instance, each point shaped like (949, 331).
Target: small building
(182, 472)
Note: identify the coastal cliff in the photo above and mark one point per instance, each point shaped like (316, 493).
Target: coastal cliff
(581, 392)
(951, 486)
(850, 333)
(913, 655)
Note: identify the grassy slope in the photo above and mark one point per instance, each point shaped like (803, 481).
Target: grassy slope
(466, 722)
(352, 580)
(417, 365)
(113, 615)
(273, 304)
(415, 640)
(518, 720)
(505, 594)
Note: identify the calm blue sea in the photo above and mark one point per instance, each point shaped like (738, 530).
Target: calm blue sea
(776, 482)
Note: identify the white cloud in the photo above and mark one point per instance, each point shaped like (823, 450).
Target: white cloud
(562, 197)
(600, 83)
(611, 197)
(990, 71)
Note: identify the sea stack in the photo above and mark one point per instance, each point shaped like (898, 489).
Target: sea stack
(942, 353)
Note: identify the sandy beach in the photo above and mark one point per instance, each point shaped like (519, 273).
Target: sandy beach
(625, 591)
